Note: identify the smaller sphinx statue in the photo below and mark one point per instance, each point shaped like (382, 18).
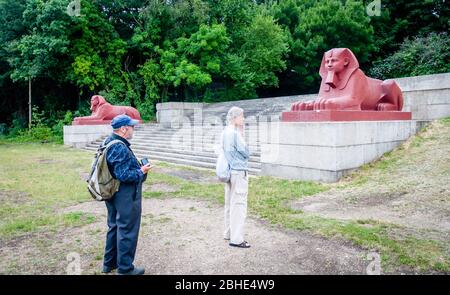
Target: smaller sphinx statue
(103, 112)
(345, 87)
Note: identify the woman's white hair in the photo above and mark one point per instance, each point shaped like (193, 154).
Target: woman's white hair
(233, 113)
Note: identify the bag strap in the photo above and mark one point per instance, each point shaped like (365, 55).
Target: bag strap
(104, 148)
(223, 145)
(112, 142)
(223, 141)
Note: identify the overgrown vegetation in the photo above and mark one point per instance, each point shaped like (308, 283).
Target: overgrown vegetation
(419, 56)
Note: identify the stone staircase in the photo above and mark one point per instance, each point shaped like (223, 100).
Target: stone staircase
(194, 146)
(194, 143)
(254, 109)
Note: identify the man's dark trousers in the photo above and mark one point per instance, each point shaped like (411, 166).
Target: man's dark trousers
(124, 219)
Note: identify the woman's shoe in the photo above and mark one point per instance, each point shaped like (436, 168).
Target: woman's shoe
(244, 244)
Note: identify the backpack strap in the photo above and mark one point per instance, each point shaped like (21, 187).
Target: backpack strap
(111, 143)
(103, 149)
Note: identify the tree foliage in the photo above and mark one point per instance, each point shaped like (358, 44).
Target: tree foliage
(141, 52)
(417, 56)
(329, 24)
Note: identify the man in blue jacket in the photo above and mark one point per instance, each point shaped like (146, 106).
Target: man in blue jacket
(124, 208)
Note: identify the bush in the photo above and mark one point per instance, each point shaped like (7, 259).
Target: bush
(18, 124)
(3, 129)
(39, 130)
(58, 128)
(45, 127)
(40, 133)
(419, 56)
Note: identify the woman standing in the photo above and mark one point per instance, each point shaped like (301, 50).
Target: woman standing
(236, 190)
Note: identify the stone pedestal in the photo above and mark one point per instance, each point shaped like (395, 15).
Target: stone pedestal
(326, 151)
(93, 122)
(175, 113)
(80, 135)
(339, 115)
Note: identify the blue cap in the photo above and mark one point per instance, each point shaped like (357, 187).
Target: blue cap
(123, 120)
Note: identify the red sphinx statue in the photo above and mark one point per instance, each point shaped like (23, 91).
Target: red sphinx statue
(347, 94)
(103, 112)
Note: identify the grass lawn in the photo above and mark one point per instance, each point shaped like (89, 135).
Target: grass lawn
(38, 180)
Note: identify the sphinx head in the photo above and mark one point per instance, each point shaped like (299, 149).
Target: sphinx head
(96, 101)
(337, 66)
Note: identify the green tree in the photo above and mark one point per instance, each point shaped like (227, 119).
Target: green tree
(417, 56)
(255, 63)
(12, 28)
(122, 14)
(192, 62)
(325, 25)
(401, 19)
(39, 49)
(96, 51)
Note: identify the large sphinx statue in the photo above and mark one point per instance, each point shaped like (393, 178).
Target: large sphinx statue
(345, 87)
(103, 112)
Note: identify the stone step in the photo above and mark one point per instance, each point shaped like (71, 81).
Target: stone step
(207, 148)
(182, 161)
(185, 145)
(208, 157)
(254, 156)
(178, 138)
(168, 144)
(203, 159)
(190, 126)
(252, 141)
(188, 133)
(190, 130)
(210, 154)
(193, 130)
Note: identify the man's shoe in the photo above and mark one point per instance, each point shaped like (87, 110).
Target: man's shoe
(137, 271)
(108, 269)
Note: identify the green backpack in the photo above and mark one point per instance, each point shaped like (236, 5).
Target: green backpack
(101, 184)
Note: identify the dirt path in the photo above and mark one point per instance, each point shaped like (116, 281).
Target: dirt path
(181, 236)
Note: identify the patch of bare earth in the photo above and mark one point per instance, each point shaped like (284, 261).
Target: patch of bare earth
(414, 193)
(195, 175)
(14, 197)
(185, 237)
(50, 252)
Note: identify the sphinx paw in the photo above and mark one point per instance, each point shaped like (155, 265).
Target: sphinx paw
(386, 107)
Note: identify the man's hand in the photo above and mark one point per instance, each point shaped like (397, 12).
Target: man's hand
(146, 168)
